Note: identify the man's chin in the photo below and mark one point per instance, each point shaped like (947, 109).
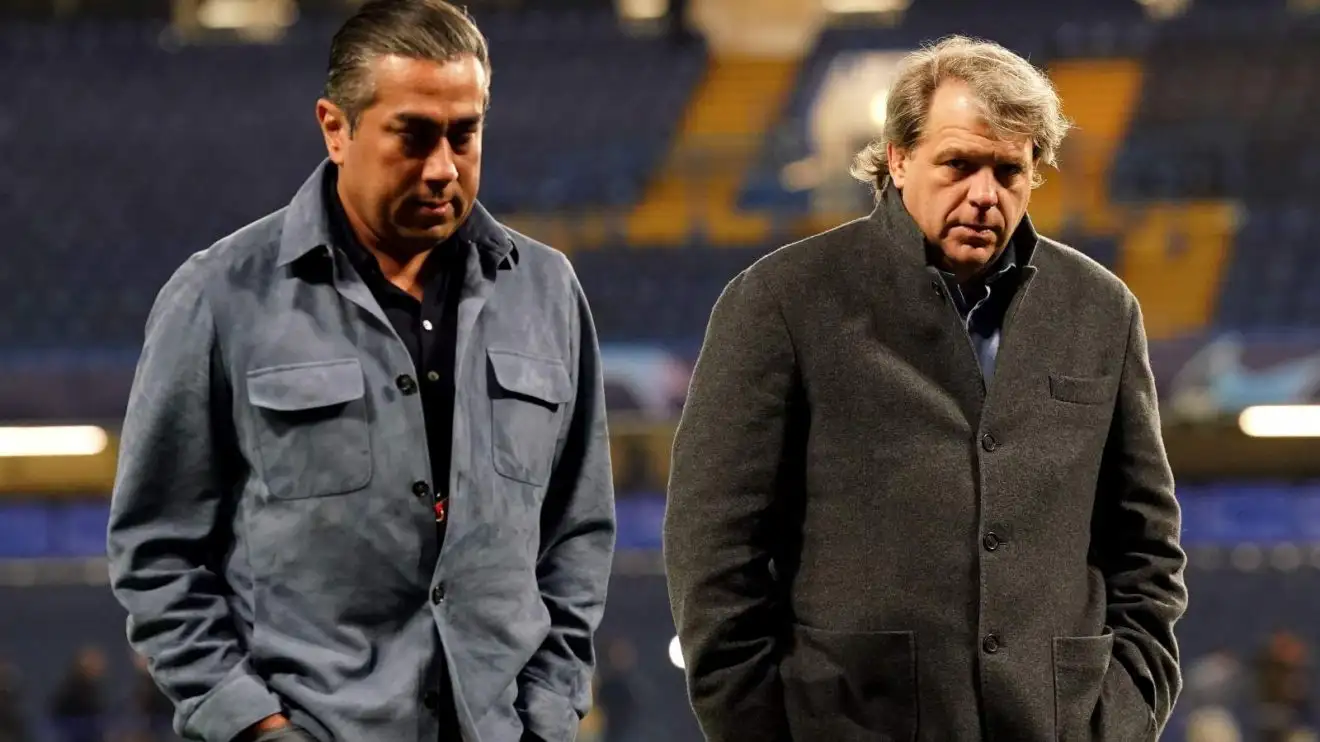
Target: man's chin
(965, 260)
(964, 252)
(435, 232)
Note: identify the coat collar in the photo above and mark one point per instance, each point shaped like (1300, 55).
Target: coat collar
(892, 220)
(308, 226)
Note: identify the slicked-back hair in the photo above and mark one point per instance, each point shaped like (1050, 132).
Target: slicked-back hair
(431, 30)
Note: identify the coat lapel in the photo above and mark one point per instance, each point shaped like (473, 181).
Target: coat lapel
(912, 314)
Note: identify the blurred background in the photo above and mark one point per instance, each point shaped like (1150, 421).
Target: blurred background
(665, 146)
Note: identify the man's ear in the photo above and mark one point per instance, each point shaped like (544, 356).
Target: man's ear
(334, 128)
(898, 162)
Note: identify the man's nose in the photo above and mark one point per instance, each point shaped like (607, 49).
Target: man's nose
(983, 191)
(440, 166)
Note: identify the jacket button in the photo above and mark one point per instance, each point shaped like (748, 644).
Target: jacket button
(406, 384)
(431, 700)
(438, 594)
(937, 287)
(991, 541)
(989, 443)
(990, 644)
(421, 489)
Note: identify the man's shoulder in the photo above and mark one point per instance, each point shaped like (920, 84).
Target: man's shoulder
(821, 253)
(541, 264)
(536, 254)
(1084, 275)
(249, 250)
(257, 242)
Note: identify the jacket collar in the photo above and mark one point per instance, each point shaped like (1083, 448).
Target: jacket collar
(308, 226)
(894, 222)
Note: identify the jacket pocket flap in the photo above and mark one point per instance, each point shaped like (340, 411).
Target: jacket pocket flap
(1084, 651)
(1081, 390)
(306, 386)
(543, 379)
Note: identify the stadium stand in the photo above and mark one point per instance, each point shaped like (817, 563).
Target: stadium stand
(1193, 173)
(166, 164)
(658, 294)
(1224, 113)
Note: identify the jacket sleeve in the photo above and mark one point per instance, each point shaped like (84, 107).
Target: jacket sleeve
(729, 454)
(1135, 544)
(169, 527)
(576, 554)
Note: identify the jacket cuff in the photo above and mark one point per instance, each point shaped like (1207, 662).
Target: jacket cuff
(546, 714)
(238, 702)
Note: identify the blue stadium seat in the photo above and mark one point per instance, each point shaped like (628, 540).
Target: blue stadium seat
(125, 152)
(658, 294)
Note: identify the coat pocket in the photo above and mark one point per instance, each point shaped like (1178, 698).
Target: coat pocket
(1080, 666)
(311, 430)
(846, 686)
(1089, 390)
(527, 395)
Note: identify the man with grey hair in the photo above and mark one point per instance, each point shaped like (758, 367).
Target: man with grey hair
(364, 487)
(919, 490)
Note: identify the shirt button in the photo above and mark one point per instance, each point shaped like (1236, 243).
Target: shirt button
(438, 594)
(406, 384)
(421, 489)
(990, 644)
(991, 541)
(432, 376)
(989, 443)
(426, 325)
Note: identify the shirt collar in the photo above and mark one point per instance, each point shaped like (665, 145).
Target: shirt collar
(309, 224)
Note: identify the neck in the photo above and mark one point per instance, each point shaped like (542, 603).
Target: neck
(399, 260)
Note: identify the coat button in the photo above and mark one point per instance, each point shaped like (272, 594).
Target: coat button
(421, 489)
(438, 594)
(991, 541)
(937, 287)
(406, 384)
(990, 644)
(989, 443)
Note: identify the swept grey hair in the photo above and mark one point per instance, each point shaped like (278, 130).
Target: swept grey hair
(433, 30)
(1017, 98)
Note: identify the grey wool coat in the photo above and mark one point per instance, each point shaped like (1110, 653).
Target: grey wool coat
(866, 541)
(272, 533)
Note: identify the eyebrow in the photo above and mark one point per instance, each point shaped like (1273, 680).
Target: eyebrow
(950, 153)
(416, 119)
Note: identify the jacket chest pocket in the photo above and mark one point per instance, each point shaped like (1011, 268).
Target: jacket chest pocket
(311, 428)
(527, 397)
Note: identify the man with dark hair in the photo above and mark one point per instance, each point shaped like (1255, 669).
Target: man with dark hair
(364, 486)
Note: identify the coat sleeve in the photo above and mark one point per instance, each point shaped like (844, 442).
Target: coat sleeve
(169, 527)
(729, 453)
(576, 554)
(1135, 544)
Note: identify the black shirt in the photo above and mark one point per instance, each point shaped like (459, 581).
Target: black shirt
(429, 330)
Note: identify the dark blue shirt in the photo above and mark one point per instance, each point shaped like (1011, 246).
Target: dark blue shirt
(982, 304)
